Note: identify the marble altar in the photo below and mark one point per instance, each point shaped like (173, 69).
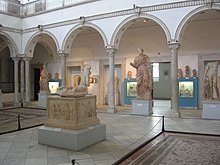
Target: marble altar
(71, 123)
(71, 113)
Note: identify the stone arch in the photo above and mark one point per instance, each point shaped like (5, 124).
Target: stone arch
(188, 18)
(76, 30)
(115, 40)
(29, 50)
(10, 43)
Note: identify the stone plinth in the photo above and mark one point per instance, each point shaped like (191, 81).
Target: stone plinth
(72, 139)
(42, 99)
(71, 113)
(71, 123)
(141, 107)
(1, 105)
(211, 109)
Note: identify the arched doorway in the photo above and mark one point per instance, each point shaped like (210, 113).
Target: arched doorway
(43, 49)
(86, 45)
(200, 39)
(147, 33)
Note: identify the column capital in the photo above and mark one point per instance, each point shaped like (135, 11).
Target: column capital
(27, 58)
(111, 50)
(62, 53)
(174, 45)
(16, 58)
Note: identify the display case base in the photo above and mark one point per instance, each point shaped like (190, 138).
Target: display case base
(141, 107)
(211, 110)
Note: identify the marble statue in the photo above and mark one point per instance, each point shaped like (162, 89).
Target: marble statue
(56, 76)
(129, 74)
(85, 75)
(116, 80)
(77, 79)
(210, 81)
(44, 85)
(187, 71)
(194, 73)
(180, 73)
(79, 91)
(49, 76)
(143, 75)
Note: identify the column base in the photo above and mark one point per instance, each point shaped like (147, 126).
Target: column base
(26, 103)
(17, 104)
(111, 109)
(174, 113)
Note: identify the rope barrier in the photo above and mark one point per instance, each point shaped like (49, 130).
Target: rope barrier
(8, 120)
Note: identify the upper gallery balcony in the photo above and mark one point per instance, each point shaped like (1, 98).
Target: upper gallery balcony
(15, 8)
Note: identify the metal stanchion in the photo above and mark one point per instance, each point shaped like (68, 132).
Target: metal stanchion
(163, 129)
(19, 123)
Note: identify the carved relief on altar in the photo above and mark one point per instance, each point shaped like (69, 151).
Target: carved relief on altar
(87, 110)
(71, 113)
(60, 111)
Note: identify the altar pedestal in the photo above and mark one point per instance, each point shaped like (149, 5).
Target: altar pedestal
(211, 109)
(141, 107)
(1, 105)
(71, 123)
(42, 99)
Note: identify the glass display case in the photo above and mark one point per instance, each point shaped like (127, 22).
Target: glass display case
(130, 91)
(53, 85)
(186, 89)
(188, 92)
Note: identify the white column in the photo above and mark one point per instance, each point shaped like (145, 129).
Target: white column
(27, 80)
(111, 93)
(63, 67)
(174, 72)
(16, 87)
(22, 80)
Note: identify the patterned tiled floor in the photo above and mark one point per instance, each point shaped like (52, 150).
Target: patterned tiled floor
(183, 149)
(124, 132)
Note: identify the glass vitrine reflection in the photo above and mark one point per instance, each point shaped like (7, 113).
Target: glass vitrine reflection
(131, 88)
(53, 86)
(186, 89)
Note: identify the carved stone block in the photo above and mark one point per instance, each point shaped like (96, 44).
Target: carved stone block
(71, 113)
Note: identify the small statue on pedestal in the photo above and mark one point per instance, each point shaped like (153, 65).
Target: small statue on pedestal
(44, 85)
(180, 73)
(187, 71)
